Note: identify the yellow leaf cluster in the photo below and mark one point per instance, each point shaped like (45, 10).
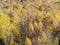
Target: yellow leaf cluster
(19, 6)
(13, 43)
(10, 9)
(39, 40)
(44, 36)
(16, 18)
(40, 24)
(55, 22)
(28, 41)
(31, 27)
(4, 24)
(49, 28)
(35, 24)
(4, 21)
(15, 30)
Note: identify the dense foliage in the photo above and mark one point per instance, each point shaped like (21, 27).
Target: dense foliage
(30, 22)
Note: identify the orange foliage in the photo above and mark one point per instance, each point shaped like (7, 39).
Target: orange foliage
(10, 8)
(36, 24)
(40, 25)
(31, 27)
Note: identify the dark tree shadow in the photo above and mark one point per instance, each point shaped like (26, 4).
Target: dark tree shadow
(1, 42)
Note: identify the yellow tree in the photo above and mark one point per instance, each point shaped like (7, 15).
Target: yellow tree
(4, 26)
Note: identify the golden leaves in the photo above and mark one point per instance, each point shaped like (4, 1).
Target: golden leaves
(50, 29)
(55, 22)
(38, 3)
(40, 24)
(4, 25)
(10, 9)
(31, 27)
(20, 9)
(57, 15)
(27, 5)
(28, 41)
(4, 21)
(56, 41)
(15, 30)
(16, 18)
(39, 40)
(13, 43)
(35, 24)
(19, 6)
(33, 9)
(44, 36)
